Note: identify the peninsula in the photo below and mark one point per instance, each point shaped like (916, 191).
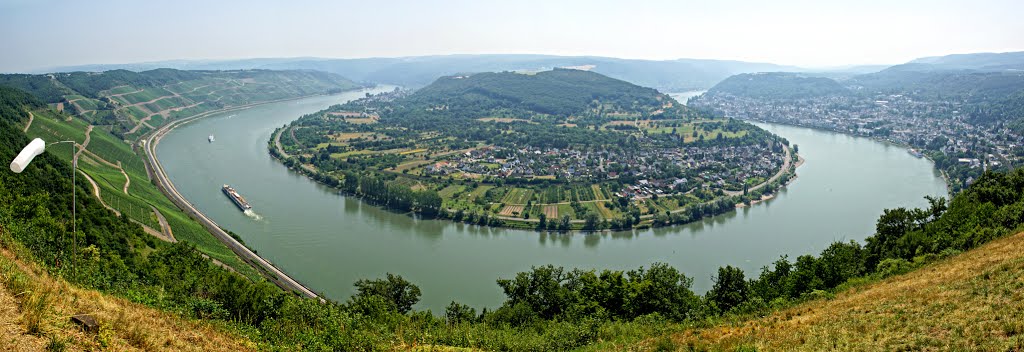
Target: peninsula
(553, 150)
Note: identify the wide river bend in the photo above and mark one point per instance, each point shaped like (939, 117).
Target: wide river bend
(328, 241)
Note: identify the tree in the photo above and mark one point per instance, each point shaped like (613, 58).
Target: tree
(543, 223)
(457, 313)
(540, 289)
(730, 288)
(591, 221)
(565, 223)
(398, 293)
(840, 262)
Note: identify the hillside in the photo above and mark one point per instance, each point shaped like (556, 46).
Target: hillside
(975, 61)
(558, 92)
(778, 86)
(129, 104)
(922, 81)
(106, 113)
(972, 301)
(35, 306)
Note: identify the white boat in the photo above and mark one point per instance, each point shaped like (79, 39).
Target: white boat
(210, 138)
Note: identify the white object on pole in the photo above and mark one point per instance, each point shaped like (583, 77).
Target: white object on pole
(31, 150)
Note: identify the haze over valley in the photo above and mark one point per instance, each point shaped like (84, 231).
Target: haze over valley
(511, 176)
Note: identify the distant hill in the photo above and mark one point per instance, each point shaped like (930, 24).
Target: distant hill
(132, 103)
(922, 80)
(560, 92)
(419, 71)
(976, 61)
(778, 86)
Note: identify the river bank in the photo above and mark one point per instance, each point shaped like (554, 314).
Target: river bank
(327, 241)
(680, 216)
(945, 176)
(149, 143)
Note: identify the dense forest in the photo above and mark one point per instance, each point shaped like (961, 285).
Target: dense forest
(547, 308)
(777, 85)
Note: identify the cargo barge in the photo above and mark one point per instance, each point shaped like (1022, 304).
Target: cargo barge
(237, 198)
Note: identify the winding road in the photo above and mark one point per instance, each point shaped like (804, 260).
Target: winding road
(163, 182)
(30, 118)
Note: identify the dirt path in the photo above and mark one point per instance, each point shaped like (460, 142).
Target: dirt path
(169, 237)
(30, 118)
(127, 180)
(291, 131)
(96, 192)
(145, 121)
(85, 144)
(100, 159)
(164, 226)
(120, 94)
(81, 112)
(277, 142)
(270, 271)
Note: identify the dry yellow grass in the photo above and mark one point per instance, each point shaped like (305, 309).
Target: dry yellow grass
(361, 121)
(347, 136)
(412, 151)
(503, 119)
(35, 311)
(972, 301)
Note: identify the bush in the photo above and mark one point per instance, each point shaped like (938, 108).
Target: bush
(893, 266)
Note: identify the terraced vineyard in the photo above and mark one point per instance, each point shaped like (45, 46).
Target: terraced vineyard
(122, 106)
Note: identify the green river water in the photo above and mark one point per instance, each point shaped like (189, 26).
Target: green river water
(328, 241)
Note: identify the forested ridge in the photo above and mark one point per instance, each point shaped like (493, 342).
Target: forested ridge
(778, 85)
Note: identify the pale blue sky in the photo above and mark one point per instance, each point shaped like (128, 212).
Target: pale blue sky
(45, 33)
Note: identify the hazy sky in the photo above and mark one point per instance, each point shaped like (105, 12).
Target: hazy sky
(37, 34)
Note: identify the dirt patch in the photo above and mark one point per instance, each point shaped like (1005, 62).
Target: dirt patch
(551, 211)
(511, 210)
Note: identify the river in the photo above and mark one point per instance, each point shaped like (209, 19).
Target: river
(328, 241)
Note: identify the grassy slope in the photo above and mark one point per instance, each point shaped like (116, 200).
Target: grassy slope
(972, 301)
(210, 90)
(35, 309)
(141, 193)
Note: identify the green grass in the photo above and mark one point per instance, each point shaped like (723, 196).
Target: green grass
(106, 146)
(85, 103)
(166, 103)
(566, 209)
(479, 191)
(598, 192)
(552, 194)
(591, 207)
(450, 191)
(146, 95)
(136, 112)
(52, 127)
(119, 90)
(517, 196)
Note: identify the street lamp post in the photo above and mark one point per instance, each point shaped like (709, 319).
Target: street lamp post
(33, 149)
